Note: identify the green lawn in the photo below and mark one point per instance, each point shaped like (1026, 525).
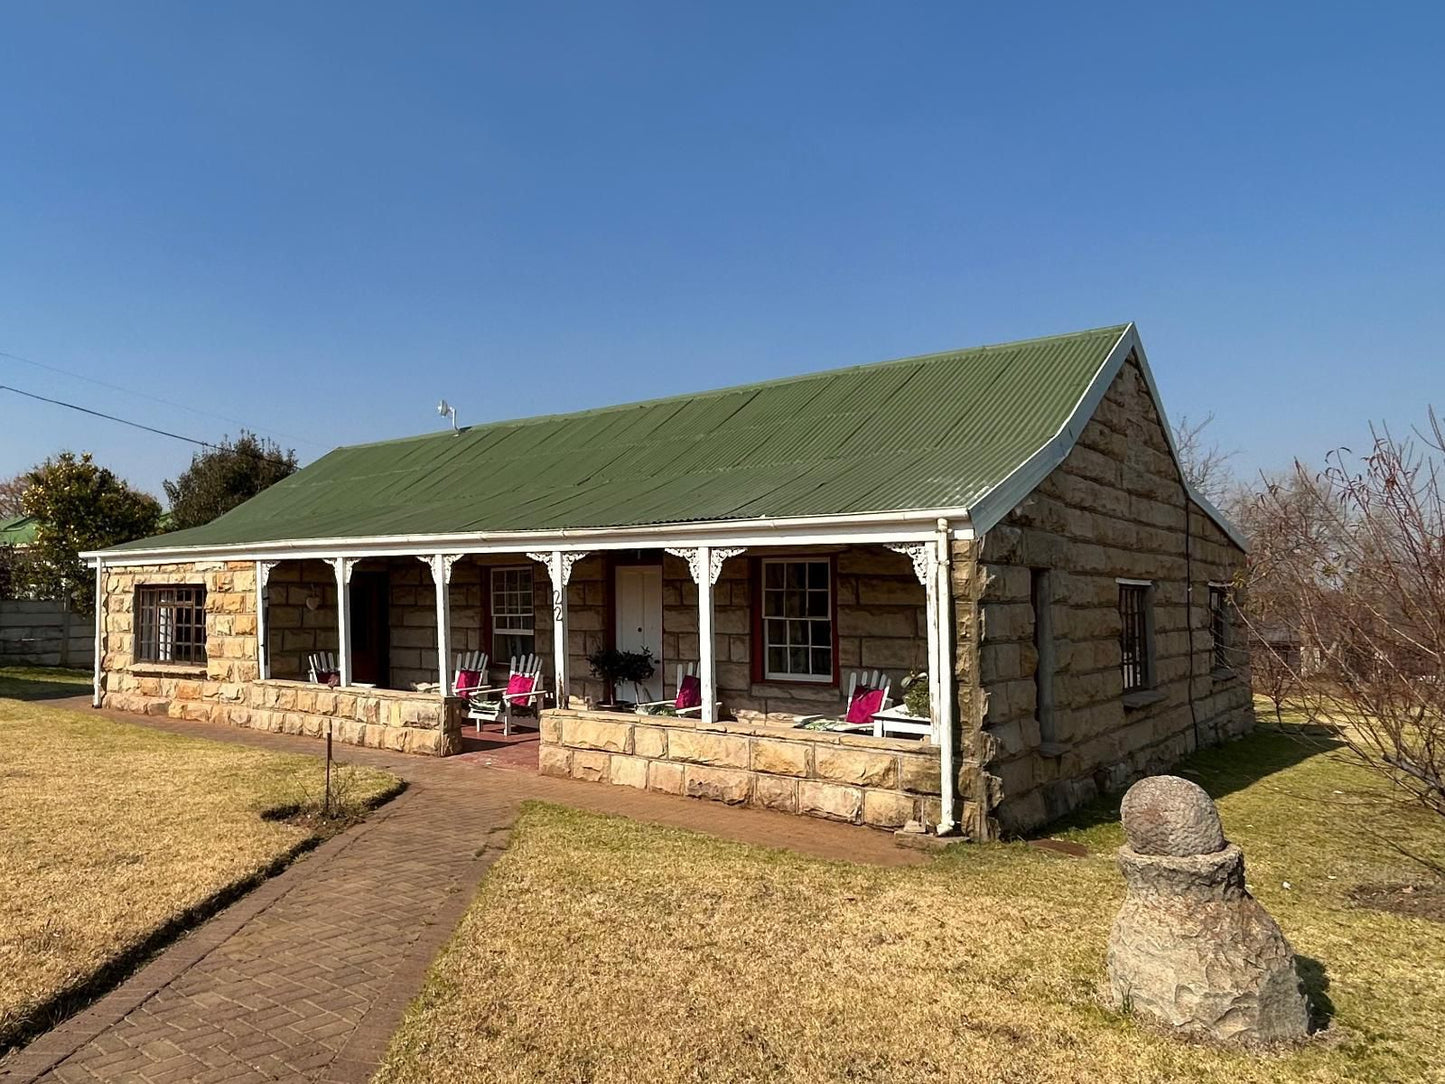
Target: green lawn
(603, 950)
(114, 835)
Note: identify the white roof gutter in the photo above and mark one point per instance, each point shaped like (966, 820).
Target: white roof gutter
(858, 528)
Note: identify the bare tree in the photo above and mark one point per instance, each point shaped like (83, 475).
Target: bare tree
(11, 490)
(1275, 516)
(1362, 555)
(1204, 462)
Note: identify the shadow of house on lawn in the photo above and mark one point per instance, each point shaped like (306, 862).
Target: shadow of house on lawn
(1220, 770)
(42, 683)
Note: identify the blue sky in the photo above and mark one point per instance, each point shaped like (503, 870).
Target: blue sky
(317, 219)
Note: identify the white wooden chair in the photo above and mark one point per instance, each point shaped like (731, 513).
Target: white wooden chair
(688, 700)
(522, 693)
(320, 665)
(469, 662)
(862, 704)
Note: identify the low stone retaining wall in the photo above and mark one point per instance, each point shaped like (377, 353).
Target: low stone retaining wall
(883, 782)
(381, 718)
(407, 722)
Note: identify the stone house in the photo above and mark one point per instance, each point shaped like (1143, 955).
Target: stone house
(1010, 520)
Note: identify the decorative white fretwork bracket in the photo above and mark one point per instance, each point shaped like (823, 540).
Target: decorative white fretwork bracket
(561, 570)
(263, 573)
(922, 555)
(344, 567)
(717, 556)
(447, 560)
(567, 558)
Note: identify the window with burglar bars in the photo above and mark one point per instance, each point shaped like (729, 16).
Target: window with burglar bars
(1134, 635)
(170, 624)
(797, 620)
(1219, 624)
(513, 622)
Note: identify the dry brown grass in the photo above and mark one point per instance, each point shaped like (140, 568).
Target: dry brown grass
(112, 835)
(603, 950)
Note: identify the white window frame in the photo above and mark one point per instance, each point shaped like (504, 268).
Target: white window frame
(769, 674)
(497, 631)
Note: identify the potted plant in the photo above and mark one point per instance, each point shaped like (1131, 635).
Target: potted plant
(615, 667)
(915, 694)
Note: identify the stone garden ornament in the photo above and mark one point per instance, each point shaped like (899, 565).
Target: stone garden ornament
(1191, 949)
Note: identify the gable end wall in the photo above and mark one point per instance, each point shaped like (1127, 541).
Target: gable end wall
(1115, 508)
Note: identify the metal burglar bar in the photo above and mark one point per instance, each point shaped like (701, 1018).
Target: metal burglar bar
(170, 624)
(1134, 635)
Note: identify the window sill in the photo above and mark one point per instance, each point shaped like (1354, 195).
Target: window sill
(1053, 749)
(1142, 698)
(1222, 674)
(168, 669)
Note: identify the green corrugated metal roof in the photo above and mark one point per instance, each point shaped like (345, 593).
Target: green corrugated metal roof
(19, 531)
(920, 433)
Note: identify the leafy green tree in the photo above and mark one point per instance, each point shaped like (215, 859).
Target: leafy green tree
(222, 477)
(80, 506)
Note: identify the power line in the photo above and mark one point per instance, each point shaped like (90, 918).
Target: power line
(152, 398)
(138, 425)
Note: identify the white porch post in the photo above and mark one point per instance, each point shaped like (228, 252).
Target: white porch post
(99, 632)
(343, 566)
(930, 565)
(441, 577)
(263, 643)
(706, 649)
(559, 570)
(705, 563)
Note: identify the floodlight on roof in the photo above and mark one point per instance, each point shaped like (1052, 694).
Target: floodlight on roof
(445, 409)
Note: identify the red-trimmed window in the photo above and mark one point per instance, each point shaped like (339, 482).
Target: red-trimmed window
(797, 619)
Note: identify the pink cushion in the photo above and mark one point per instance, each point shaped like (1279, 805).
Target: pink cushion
(468, 679)
(865, 704)
(689, 693)
(519, 684)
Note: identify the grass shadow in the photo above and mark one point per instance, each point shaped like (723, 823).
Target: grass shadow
(42, 683)
(1219, 769)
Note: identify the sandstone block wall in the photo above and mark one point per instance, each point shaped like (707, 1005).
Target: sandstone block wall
(226, 688)
(875, 781)
(1116, 508)
(380, 718)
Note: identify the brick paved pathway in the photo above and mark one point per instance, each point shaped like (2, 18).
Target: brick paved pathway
(306, 977)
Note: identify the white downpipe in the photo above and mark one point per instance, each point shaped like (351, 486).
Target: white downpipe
(263, 648)
(947, 692)
(935, 656)
(705, 647)
(343, 618)
(99, 631)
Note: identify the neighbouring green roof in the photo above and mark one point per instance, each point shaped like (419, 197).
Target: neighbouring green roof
(19, 531)
(920, 433)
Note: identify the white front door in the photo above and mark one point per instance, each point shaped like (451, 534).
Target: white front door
(639, 621)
